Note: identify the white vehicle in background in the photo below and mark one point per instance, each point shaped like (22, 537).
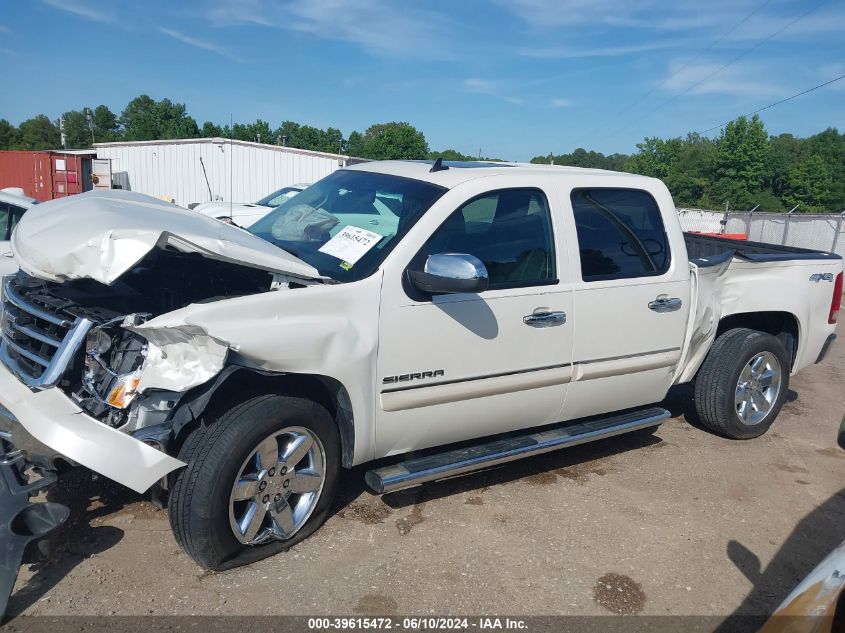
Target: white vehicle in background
(13, 204)
(247, 213)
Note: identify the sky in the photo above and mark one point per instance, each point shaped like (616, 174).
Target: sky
(509, 78)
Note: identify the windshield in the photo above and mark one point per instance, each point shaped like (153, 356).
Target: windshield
(346, 224)
(279, 196)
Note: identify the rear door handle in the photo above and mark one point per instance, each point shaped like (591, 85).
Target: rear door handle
(545, 319)
(373, 221)
(664, 303)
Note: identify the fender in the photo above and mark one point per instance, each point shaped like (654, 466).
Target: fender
(193, 403)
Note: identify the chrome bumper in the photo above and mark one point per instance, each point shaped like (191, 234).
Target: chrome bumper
(47, 424)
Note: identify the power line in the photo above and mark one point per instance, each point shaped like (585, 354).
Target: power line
(772, 105)
(717, 71)
(690, 61)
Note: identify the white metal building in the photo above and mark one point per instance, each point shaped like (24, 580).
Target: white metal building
(202, 169)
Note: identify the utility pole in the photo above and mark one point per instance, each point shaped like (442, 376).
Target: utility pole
(90, 120)
(62, 131)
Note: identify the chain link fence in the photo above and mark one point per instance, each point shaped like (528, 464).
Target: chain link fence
(821, 232)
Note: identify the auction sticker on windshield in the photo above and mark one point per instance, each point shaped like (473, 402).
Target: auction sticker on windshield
(350, 244)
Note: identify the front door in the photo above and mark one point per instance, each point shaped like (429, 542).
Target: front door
(460, 366)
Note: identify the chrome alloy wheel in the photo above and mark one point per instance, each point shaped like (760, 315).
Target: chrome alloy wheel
(758, 388)
(277, 486)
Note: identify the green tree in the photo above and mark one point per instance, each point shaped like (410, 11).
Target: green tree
(654, 158)
(784, 151)
(691, 171)
(258, 132)
(393, 141)
(77, 132)
(810, 184)
(106, 125)
(8, 135)
(830, 146)
(286, 133)
(332, 141)
(450, 154)
(210, 130)
(146, 119)
(39, 132)
(355, 144)
(742, 152)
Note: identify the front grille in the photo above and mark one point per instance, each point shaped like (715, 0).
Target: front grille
(39, 339)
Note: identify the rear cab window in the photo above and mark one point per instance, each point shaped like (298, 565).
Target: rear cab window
(620, 234)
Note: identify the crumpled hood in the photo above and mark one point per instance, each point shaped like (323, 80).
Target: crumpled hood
(224, 209)
(102, 234)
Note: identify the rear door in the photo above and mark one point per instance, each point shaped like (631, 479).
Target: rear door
(459, 366)
(631, 299)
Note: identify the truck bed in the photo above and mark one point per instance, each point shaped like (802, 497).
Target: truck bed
(704, 251)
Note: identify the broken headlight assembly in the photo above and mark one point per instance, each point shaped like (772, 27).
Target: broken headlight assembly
(111, 374)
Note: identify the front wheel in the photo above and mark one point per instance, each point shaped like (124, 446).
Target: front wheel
(742, 383)
(260, 477)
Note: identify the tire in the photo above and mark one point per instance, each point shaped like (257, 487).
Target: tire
(203, 516)
(723, 405)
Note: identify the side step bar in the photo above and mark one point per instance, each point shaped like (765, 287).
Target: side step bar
(463, 460)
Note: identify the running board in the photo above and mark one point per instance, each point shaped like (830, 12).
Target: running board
(463, 460)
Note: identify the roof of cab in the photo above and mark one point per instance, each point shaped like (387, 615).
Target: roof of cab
(459, 172)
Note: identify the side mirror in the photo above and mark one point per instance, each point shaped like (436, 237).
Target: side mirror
(450, 273)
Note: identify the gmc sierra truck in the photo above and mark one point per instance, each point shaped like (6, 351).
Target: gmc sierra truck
(509, 310)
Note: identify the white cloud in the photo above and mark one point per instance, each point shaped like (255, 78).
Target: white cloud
(5, 29)
(197, 42)
(648, 14)
(608, 51)
(739, 81)
(827, 20)
(90, 12)
(561, 103)
(491, 87)
(379, 26)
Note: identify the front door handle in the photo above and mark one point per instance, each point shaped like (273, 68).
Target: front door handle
(664, 303)
(545, 319)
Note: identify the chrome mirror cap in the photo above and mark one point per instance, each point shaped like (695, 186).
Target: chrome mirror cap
(456, 266)
(445, 273)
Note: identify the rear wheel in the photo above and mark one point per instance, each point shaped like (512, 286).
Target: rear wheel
(742, 383)
(260, 477)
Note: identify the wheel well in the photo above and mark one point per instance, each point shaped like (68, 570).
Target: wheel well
(239, 383)
(782, 325)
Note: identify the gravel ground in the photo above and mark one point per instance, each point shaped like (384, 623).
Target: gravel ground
(679, 522)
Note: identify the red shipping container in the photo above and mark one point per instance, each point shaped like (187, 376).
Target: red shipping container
(46, 175)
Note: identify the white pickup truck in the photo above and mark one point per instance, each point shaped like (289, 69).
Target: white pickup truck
(239, 374)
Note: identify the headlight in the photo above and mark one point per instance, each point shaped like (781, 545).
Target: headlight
(124, 389)
(113, 360)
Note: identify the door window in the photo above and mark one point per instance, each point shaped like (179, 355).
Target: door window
(620, 234)
(4, 221)
(509, 230)
(15, 214)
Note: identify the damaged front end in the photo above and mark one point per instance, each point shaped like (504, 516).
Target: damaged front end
(91, 340)
(87, 376)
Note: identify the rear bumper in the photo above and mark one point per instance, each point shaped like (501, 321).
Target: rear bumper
(826, 348)
(47, 425)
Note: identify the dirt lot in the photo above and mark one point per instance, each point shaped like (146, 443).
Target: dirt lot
(671, 523)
